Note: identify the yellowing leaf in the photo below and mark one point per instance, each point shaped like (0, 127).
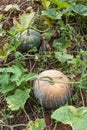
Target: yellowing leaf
(1, 16)
(16, 23)
(45, 3)
(5, 48)
(12, 6)
(24, 22)
(18, 99)
(47, 21)
(3, 51)
(38, 124)
(26, 19)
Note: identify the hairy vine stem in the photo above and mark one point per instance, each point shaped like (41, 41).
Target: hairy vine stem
(54, 81)
(9, 126)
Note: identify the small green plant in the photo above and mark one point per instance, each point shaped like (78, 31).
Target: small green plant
(61, 46)
(78, 63)
(62, 8)
(14, 85)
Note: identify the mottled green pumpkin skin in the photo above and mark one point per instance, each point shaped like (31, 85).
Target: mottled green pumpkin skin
(29, 39)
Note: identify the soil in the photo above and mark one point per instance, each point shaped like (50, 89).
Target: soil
(21, 118)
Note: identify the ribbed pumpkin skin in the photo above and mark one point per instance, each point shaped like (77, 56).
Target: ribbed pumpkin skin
(29, 40)
(52, 95)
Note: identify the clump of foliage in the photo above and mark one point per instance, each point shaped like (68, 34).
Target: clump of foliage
(14, 86)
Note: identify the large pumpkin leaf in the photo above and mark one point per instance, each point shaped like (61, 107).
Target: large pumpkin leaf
(80, 9)
(61, 44)
(75, 117)
(38, 124)
(63, 57)
(18, 99)
(52, 13)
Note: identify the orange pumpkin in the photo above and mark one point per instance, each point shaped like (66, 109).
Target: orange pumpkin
(52, 88)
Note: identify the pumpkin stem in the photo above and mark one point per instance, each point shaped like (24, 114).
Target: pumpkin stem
(50, 79)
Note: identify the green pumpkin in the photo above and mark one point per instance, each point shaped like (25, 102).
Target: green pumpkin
(29, 39)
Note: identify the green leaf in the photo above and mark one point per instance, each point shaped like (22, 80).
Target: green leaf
(83, 53)
(18, 55)
(11, 6)
(80, 9)
(16, 71)
(48, 35)
(12, 31)
(20, 81)
(30, 76)
(75, 117)
(83, 85)
(63, 57)
(61, 44)
(51, 13)
(17, 80)
(38, 124)
(4, 78)
(60, 4)
(17, 75)
(24, 78)
(7, 88)
(18, 99)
